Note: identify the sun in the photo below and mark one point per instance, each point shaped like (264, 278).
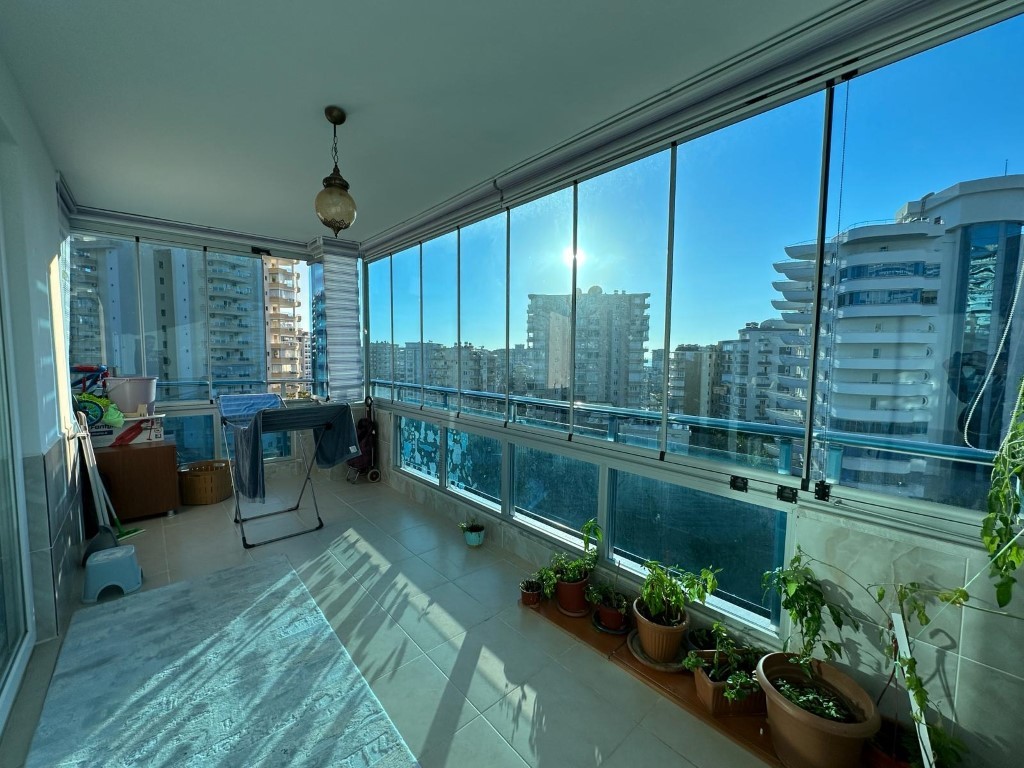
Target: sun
(581, 256)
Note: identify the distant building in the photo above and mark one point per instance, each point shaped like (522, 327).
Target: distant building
(937, 280)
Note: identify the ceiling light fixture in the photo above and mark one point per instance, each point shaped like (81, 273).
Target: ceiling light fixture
(334, 205)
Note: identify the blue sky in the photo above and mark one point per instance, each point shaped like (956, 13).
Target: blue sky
(743, 193)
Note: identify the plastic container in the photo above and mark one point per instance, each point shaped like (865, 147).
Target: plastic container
(130, 393)
(204, 482)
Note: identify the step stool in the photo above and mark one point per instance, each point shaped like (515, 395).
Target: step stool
(116, 567)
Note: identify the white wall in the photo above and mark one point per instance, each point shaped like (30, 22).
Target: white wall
(31, 241)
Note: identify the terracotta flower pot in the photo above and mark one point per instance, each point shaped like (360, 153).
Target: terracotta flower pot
(530, 598)
(659, 642)
(805, 740)
(610, 618)
(571, 596)
(712, 696)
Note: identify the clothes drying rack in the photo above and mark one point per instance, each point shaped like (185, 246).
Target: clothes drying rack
(246, 418)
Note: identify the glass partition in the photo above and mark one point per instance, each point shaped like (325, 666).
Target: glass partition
(174, 302)
(925, 262)
(482, 295)
(540, 308)
(680, 526)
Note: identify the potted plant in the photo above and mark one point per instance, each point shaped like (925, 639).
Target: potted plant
(911, 602)
(724, 678)
(818, 716)
(660, 610)
(473, 531)
(610, 604)
(572, 573)
(531, 588)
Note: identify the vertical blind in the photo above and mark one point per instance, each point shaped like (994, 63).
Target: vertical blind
(344, 348)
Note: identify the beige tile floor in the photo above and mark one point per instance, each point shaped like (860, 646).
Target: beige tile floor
(471, 679)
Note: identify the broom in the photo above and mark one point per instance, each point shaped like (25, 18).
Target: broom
(106, 507)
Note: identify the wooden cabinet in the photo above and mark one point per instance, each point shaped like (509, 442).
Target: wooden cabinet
(141, 478)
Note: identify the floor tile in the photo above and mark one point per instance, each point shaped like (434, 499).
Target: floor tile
(28, 705)
(374, 640)
(401, 581)
(365, 558)
(489, 661)
(609, 681)
(703, 746)
(438, 615)
(477, 745)
(642, 750)
(423, 538)
(454, 559)
(425, 707)
(494, 585)
(555, 720)
(542, 633)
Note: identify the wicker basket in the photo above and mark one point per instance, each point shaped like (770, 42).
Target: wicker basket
(204, 482)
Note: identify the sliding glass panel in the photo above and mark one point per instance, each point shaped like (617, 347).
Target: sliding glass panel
(742, 293)
(382, 351)
(621, 269)
(405, 277)
(106, 325)
(440, 322)
(420, 446)
(474, 465)
(554, 489)
(235, 299)
(194, 436)
(925, 219)
(680, 526)
(483, 354)
(287, 321)
(175, 321)
(539, 311)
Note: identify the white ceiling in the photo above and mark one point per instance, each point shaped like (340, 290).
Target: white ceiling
(211, 113)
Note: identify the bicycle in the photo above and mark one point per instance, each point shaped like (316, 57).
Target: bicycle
(87, 401)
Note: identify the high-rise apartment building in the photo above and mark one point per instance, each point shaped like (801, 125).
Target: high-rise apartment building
(941, 276)
(611, 333)
(285, 352)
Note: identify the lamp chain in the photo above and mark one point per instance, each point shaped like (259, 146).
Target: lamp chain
(334, 149)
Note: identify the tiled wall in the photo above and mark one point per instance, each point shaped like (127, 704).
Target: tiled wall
(971, 660)
(54, 507)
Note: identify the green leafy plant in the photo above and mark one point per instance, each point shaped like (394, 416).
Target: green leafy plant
(600, 592)
(815, 699)
(729, 663)
(666, 591)
(1001, 528)
(571, 569)
(547, 578)
(471, 525)
(804, 600)
(532, 583)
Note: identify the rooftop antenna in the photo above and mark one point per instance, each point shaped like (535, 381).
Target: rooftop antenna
(1006, 166)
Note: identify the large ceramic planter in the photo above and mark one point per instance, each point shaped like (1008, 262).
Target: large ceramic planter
(659, 643)
(712, 696)
(804, 740)
(571, 596)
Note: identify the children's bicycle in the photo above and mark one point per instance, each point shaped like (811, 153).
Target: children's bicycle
(93, 384)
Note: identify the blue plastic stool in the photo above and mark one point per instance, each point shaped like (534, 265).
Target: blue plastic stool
(116, 567)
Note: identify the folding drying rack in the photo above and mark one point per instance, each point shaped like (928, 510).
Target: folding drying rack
(248, 417)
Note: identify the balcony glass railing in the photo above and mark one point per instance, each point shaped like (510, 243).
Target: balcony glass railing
(947, 474)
